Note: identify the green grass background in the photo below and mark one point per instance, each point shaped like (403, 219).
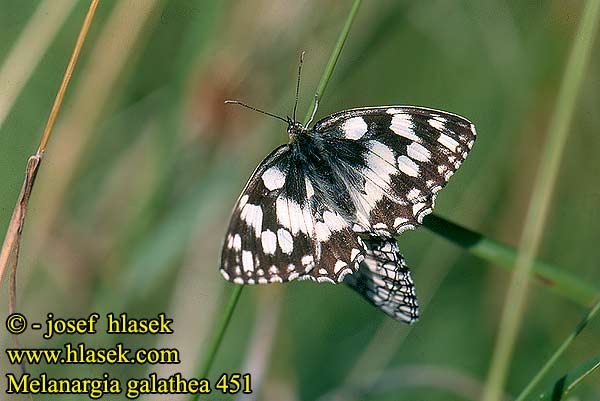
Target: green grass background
(139, 223)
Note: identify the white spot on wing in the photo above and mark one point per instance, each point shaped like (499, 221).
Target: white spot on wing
(339, 265)
(399, 221)
(407, 166)
(283, 213)
(333, 220)
(269, 242)
(237, 242)
(402, 125)
(381, 150)
(413, 193)
(418, 152)
(436, 123)
(307, 260)
(322, 231)
(309, 188)
(286, 242)
(354, 128)
(380, 168)
(308, 221)
(296, 218)
(354, 253)
(247, 261)
(448, 142)
(417, 208)
(273, 178)
(373, 194)
(253, 216)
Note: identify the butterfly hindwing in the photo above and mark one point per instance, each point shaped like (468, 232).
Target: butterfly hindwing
(384, 280)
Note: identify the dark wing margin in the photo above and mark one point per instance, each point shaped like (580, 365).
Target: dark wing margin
(409, 154)
(383, 279)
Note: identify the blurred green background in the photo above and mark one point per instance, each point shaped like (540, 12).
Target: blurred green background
(146, 162)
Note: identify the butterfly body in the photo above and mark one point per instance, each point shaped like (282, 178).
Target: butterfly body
(327, 205)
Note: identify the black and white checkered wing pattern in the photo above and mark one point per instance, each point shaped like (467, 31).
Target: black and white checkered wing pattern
(286, 225)
(384, 280)
(260, 247)
(338, 193)
(408, 155)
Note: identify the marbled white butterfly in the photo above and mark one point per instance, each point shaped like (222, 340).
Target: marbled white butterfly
(327, 205)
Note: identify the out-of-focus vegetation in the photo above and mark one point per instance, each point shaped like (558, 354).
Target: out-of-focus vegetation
(146, 161)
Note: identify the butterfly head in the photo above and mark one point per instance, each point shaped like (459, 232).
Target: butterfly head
(294, 128)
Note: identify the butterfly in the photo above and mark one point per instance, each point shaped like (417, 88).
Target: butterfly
(327, 205)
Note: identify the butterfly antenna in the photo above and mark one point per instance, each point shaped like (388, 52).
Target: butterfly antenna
(255, 109)
(298, 84)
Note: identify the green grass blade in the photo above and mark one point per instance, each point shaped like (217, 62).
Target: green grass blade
(217, 339)
(557, 280)
(335, 55)
(559, 352)
(563, 386)
(513, 311)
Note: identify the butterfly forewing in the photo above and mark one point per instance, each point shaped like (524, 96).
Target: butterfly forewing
(268, 230)
(408, 155)
(291, 221)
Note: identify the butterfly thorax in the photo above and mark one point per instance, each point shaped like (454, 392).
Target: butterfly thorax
(295, 129)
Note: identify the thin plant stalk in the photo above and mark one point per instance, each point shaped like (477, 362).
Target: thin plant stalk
(15, 227)
(535, 219)
(333, 59)
(217, 339)
(220, 331)
(105, 62)
(558, 353)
